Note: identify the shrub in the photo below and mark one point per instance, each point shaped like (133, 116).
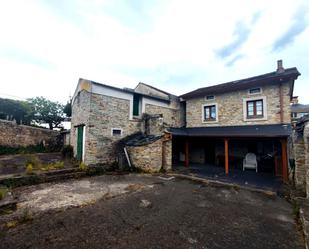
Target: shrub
(83, 166)
(11, 224)
(6, 150)
(33, 160)
(67, 151)
(54, 165)
(26, 216)
(3, 192)
(29, 169)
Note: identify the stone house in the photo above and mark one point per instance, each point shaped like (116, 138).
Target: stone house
(298, 110)
(214, 126)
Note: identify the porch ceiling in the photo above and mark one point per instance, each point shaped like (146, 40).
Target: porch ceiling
(274, 130)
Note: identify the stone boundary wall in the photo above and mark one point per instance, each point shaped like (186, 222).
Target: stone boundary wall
(152, 157)
(13, 135)
(301, 155)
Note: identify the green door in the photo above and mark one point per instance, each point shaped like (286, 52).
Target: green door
(80, 136)
(136, 104)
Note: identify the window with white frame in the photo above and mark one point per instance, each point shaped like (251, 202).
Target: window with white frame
(210, 97)
(210, 113)
(255, 108)
(255, 90)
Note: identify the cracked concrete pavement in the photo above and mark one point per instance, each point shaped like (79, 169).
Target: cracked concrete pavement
(150, 212)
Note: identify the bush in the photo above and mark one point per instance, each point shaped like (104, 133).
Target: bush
(3, 192)
(83, 167)
(67, 151)
(29, 169)
(55, 165)
(5, 150)
(34, 161)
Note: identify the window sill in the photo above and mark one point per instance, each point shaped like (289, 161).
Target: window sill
(248, 119)
(254, 117)
(210, 121)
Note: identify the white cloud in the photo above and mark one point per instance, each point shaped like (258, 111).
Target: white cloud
(171, 44)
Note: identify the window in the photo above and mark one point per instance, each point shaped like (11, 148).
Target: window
(255, 90)
(116, 132)
(255, 109)
(210, 113)
(136, 105)
(210, 97)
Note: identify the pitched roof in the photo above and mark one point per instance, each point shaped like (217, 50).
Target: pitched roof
(253, 131)
(157, 89)
(128, 90)
(260, 80)
(299, 108)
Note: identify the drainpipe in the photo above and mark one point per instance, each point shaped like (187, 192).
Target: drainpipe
(280, 69)
(281, 103)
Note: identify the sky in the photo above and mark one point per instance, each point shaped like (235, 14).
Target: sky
(174, 45)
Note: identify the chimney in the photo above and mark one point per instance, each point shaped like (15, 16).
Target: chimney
(280, 68)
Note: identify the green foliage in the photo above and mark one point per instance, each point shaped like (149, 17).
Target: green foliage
(32, 161)
(67, 151)
(68, 109)
(46, 111)
(3, 192)
(39, 148)
(29, 169)
(54, 165)
(26, 216)
(11, 109)
(83, 167)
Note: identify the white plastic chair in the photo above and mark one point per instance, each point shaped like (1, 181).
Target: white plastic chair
(250, 162)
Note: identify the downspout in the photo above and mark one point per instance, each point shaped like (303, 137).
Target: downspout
(281, 102)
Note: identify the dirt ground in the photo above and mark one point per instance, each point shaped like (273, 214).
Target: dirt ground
(136, 211)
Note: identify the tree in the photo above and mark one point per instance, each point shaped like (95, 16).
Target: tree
(46, 111)
(20, 111)
(68, 108)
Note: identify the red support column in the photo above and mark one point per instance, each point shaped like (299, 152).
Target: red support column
(187, 153)
(226, 153)
(284, 160)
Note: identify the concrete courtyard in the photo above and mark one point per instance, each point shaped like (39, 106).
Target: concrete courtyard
(138, 211)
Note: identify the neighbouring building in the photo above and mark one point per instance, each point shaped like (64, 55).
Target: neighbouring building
(215, 126)
(298, 110)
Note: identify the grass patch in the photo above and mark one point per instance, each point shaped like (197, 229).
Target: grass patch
(3, 192)
(11, 224)
(52, 166)
(33, 163)
(83, 167)
(26, 216)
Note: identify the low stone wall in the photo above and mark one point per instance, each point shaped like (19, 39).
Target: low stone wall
(13, 135)
(301, 155)
(152, 157)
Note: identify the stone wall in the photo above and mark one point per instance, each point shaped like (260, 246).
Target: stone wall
(300, 161)
(13, 135)
(152, 157)
(306, 152)
(167, 154)
(80, 116)
(107, 113)
(230, 107)
(301, 156)
(147, 158)
(142, 88)
(171, 116)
